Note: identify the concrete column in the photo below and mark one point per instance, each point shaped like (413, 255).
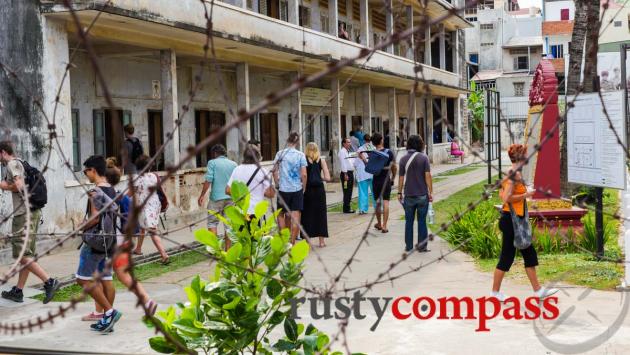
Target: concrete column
(235, 144)
(335, 110)
(168, 68)
(392, 112)
(366, 34)
(410, 50)
(297, 123)
(316, 22)
(445, 118)
(366, 96)
(455, 45)
(333, 17)
(427, 46)
(442, 38)
(294, 11)
(389, 23)
(429, 125)
(413, 113)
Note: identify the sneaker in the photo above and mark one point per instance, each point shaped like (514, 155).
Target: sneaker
(545, 292)
(92, 317)
(15, 295)
(50, 287)
(499, 295)
(107, 323)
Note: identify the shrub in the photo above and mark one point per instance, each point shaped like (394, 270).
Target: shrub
(588, 238)
(249, 293)
(547, 242)
(477, 232)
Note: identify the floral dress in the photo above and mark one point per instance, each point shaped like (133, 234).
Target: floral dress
(144, 185)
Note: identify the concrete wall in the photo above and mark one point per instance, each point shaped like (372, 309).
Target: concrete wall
(552, 9)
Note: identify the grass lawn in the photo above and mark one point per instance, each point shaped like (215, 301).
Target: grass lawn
(576, 269)
(446, 207)
(460, 171)
(142, 272)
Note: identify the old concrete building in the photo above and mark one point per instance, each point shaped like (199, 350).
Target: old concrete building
(151, 55)
(503, 48)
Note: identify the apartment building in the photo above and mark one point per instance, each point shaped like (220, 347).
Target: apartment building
(151, 54)
(503, 48)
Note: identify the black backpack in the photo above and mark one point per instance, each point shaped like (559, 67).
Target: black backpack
(37, 191)
(102, 237)
(136, 149)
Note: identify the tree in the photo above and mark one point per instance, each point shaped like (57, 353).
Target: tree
(475, 105)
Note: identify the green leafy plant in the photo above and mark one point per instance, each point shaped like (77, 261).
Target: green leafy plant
(248, 294)
(476, 107)
(553, 242)
(588, 238)
(477, 231)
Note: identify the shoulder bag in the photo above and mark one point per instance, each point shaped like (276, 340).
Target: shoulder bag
(522, 228)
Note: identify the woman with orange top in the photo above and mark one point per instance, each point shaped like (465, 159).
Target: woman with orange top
(514, 192)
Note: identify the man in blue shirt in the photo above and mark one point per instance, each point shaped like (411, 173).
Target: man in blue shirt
(217, 175)
(289, 172)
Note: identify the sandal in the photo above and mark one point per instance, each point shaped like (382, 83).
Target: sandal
(165, 261)
(135, 252)
(377, 226)
(385, 230)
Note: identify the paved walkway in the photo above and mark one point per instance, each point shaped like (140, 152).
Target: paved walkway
(588, 318)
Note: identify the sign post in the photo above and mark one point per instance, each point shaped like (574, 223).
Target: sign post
(594, 156)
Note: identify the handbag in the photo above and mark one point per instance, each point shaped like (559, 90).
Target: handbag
(161, 195)
(522, 229)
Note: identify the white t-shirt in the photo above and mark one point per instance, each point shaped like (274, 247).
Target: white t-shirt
(257, 187)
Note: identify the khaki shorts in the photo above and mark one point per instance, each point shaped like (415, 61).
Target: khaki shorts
(18, 233)
(217, 206)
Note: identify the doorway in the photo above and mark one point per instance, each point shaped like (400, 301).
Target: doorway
(207, 123)
(156, 137)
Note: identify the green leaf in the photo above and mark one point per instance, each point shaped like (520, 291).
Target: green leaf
(234, 253)
(208, 238)
(299, 252)
(274, 288)
(310, 329)
(261, 208)
(300, 328)
(235, 216)
(277, 245)
(322, 341)
(160, 345)
(310, 343)
(283, 345)
(215, 325)
(232, 304)
(219, 217)
(291, 329)
(276, 318)
(240, 194)
(188, 326)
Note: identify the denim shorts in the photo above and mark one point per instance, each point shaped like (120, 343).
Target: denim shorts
(90, 262)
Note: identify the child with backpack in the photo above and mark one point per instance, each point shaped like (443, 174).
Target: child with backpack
(99, 242)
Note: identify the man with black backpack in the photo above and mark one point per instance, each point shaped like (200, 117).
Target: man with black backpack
(22, 180)
(134, 149)
(99, 242)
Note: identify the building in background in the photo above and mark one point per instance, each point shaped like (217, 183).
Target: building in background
(150, 58)
(504, 47)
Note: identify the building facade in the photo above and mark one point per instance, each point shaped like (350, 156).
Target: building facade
(151, 55)
(503, 48)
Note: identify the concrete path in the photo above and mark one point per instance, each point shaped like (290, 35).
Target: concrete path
(590, 321)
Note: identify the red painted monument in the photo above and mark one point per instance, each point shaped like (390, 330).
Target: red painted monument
(544, 167)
